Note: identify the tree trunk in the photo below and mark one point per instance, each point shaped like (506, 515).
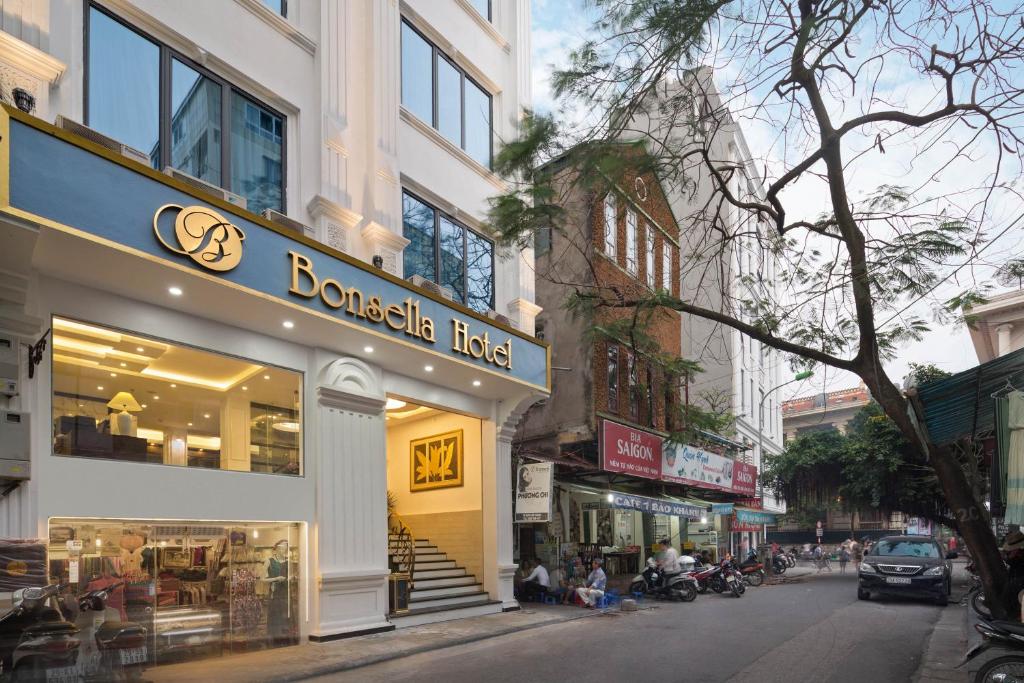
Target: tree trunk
(971, 518)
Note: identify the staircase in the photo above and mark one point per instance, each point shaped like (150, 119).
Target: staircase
(442, 590)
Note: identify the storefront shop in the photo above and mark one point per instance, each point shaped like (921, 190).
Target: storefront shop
(230, 418)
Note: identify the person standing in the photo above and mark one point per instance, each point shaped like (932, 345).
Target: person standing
(594, 588)
(844, 557)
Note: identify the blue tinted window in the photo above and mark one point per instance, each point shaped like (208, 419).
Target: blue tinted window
(418, 228)
(453, 263)
(279, 6)
(124, 84)
(479, 272)
(417, 78)
(449, 101)
(483, 7)
(256, 154)
(195, 123)
(478, 124)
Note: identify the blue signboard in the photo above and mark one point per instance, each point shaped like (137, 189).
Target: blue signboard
(754, 517)
(722, 508)
(656, 506)
(72, 188)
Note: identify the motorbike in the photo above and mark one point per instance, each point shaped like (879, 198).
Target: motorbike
(779, 564)
(40, 640)
(719, 578)
(1008, 668)
(791, 558)
(36, 642)
(653, 583)
(752, 571)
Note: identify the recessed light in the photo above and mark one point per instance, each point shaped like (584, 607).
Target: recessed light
(394, 404)
(99, 388)
(139, 349)
(144, 405)
(367, 349)
(476, 383)
(288, 324)
(113, 374)
(124, 365)
(189, 424)
(206, 415)
(266, 376)
(245, 388)
(81, 405)
(174, 386)
(428, 368)
(156, 398)
(174, 291)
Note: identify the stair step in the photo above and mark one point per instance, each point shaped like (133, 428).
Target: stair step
(393, 538)
(420, 550)
(430, 574)
(426, 584)
(431, 557)
(430, 615)
(433, 601)
(443, 591)
(426, 566)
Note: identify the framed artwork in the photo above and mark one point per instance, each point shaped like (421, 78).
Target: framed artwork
(435, 462)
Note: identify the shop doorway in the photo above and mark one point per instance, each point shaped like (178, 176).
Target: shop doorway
(435, 510)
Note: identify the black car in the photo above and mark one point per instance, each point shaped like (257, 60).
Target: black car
(907, 565)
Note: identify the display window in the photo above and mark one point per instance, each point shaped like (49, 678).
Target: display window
(199, 589)
(133, 398)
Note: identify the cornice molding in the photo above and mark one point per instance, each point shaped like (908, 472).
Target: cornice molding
(376, 233)
(30, 60)
(280, 24)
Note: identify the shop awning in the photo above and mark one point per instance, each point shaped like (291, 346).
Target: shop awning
(961, 406)
(657, 506)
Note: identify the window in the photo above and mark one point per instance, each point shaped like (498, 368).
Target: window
(631, 264)
(448, 253)
(542, 241)
(613, 378)
(634, 388)
(279, 6)
(611, 225)
(666, 266)
(669, 402)
(439, 93)
(483, 7)
(650, 397)
(649, 260)
(132, 398)
(743, 392)
(760, 411)
(184, 128)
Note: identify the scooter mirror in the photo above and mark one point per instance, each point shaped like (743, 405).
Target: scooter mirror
(17, 597)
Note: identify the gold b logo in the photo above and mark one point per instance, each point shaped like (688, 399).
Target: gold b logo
(204, 236)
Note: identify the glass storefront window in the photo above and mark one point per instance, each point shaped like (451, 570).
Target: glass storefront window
(200, 589)
(124, 396)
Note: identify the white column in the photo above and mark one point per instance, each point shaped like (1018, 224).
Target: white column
(351, 532)
(1003, 332)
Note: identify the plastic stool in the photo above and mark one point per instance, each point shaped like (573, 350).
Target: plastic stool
(638, 596)
(550, 599)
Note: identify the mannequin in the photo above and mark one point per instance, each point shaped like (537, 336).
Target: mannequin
(278, 624)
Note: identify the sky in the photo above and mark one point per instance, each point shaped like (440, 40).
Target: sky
(560, 25)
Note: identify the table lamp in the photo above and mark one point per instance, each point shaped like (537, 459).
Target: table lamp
(124, 402)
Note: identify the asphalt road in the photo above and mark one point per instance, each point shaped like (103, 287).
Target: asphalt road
(812, 630)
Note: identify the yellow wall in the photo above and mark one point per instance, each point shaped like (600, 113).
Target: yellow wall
(454, 499)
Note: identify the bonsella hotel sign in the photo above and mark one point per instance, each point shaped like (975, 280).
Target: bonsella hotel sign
(61, 181)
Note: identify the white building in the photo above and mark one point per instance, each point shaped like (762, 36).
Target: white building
(227, 398)
(740, 373)
(998, 325)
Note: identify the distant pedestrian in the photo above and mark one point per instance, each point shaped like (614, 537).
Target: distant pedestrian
(844, 557)
(858, 554)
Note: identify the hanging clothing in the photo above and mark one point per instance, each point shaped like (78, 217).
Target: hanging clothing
(278, 623)
(1015, 457)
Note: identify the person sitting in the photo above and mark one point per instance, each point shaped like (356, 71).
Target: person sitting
(594, 588)
(669, 562)
(537, 582)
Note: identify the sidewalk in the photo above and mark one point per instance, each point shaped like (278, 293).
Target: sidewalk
(947, 644)
(318, 659)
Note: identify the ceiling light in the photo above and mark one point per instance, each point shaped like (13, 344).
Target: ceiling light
(367, 349)
(156, 398)
(287, 426)
(113, 374)
(124, 365)
(144, 405)
(99, 388)
(288, 324)
(245, 388)
(174, 386)
(189, 424)
(611, 497)
(174, 291)
(476, 383)
(428, 368)
(81, 405)
(703, 520)
(206, 415)
(266, 376)
(394, 404)
(139, 349)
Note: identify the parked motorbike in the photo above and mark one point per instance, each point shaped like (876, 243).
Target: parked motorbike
(720, 578)
(652, 583)
(752, 571)
(1008, 668)
(36, 642)
(121, 644)
(779, 563)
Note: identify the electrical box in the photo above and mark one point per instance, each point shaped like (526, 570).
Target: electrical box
(14, 446)
(8, 365)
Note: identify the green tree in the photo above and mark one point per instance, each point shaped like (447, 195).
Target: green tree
(820, 77)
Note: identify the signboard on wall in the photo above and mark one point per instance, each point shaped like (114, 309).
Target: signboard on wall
(533, 492)
(686, 464)
(656, 506)
(630, 451)
(744, 479)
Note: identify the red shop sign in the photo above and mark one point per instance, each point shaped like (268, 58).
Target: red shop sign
(630, 451)
(744, 478)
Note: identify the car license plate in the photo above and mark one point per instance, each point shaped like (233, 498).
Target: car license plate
(899, 580)
(135, 655)
(730, 578)
(66, 674)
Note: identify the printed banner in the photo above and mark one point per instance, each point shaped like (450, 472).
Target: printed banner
(533, 492)
(656, 506)
(754, 517)
(685, 464)
(722, 508)
(630, 451)
(737, 526)
(744, 478)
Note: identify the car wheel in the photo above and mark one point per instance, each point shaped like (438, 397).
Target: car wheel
(863, 594)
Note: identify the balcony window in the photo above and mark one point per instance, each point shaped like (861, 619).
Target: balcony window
(666, 266)
(611, 232)
(444, 251)
(190, 126)
(439, 93)
(631, 263)
(130, 397)
(649, 256)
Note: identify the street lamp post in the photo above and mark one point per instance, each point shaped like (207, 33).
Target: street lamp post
(760, 445)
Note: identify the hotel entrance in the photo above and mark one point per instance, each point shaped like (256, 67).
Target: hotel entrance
(435, 511)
